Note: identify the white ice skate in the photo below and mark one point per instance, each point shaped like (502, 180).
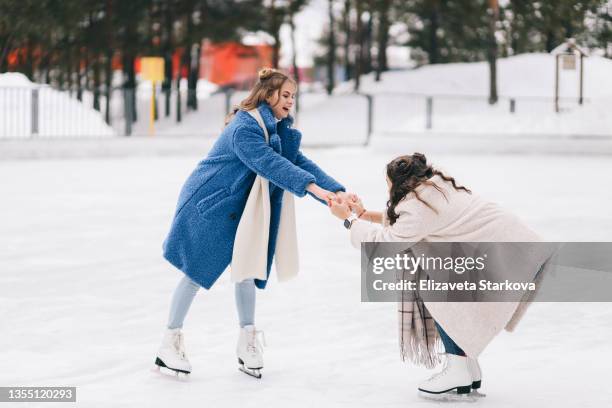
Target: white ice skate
(476, 374)
(454, 377)
(250, 351)
(171, 353)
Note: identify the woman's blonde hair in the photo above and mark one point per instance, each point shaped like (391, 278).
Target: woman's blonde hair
(269, 80)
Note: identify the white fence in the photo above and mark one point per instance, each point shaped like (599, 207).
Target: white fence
(42, 112)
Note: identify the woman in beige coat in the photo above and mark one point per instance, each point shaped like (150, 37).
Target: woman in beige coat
(426, 205)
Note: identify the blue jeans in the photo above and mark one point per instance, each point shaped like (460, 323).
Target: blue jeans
(449, 345)
(187, 289)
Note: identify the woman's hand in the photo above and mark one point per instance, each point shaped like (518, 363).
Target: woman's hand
(353, 201)
(356, 205)
(340, 210)
(345, 197)
(321, 193)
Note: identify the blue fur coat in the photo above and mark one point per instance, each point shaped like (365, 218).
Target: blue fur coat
(201, 238)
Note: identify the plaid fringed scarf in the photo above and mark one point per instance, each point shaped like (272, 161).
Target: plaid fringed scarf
(419, 339)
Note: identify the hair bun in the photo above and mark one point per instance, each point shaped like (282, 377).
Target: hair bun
(420, 157)
(266, 73)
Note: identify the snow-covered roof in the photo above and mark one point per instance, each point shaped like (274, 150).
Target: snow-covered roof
(567, 46)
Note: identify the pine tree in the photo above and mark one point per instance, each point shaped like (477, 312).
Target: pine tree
(383, 15)
(599, 35)
(330, 61)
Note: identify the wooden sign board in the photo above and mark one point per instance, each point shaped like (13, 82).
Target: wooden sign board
(152, 68)
(568, 62)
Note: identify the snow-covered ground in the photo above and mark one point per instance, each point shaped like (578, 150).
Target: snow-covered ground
(84, 291)
(523, 75)
(460, 104)
(460, 94)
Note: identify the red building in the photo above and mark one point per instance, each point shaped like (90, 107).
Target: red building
(224, 64)
(231, 63)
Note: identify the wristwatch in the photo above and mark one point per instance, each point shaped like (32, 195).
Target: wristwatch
(348, 223)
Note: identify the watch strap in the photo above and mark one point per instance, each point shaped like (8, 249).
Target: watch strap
(348, 223)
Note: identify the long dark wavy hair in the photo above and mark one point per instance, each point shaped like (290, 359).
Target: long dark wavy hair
(406, 173)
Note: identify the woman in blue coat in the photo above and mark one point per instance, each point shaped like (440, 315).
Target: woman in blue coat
(210, 206)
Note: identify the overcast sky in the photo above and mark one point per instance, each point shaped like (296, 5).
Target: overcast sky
(309, 27)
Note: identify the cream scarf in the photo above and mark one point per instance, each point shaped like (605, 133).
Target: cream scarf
(250, 255)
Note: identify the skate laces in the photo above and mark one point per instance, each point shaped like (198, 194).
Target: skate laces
(255, 342)
(441, 373)
(179, 345)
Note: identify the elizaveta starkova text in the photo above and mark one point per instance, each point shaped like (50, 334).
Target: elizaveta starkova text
(432, 285)
(411, 263)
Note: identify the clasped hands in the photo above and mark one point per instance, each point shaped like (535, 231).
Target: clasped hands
(341, 204)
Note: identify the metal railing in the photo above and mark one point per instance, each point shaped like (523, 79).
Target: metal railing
(43, 112)
(352, 118)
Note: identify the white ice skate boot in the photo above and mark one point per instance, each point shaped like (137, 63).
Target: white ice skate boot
(171, 353)
(249, 351)
(475, 372)
(454, 376)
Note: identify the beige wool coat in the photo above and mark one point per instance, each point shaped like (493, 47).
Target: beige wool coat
(461, 217)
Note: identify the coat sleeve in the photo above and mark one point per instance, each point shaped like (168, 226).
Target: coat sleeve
(322, 179)
(252, 150)
(414, 224)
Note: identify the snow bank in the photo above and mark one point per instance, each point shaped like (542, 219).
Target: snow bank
(59, 115)
(524, 75)
(460, 93)
(15, 80)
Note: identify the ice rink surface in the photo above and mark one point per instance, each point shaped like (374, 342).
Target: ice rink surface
(84, 291)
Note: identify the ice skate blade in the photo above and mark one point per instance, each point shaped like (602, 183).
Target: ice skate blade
(460, 390)
(241, 363)
(448, 397)
(253, 372)
(160, 363)
(477, 394)
(162, 368)
(169, 374)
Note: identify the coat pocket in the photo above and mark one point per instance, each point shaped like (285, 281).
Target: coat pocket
(213, 200)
